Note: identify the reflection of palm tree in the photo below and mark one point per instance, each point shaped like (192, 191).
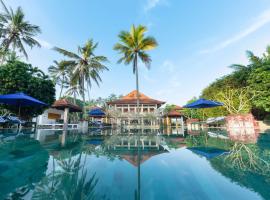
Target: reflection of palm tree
(245, 157)
(69, 182)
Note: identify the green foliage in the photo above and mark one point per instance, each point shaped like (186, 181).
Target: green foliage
(249, 84)
(15, 31)
(84, 67)
(259, 82)
(16, 76)
(133, 45)
(168, 108)
(102, 101)
(193, 113)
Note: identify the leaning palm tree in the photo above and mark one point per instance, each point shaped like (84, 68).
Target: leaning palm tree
(15, 31)
(133, 46)
(86, 66)
(59, 73)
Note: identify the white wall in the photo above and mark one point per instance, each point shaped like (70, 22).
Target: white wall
(43, 119)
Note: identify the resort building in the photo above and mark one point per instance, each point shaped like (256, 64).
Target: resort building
(124, 110)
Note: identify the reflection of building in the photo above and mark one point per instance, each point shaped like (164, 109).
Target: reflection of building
(127, 147)
(125, 109)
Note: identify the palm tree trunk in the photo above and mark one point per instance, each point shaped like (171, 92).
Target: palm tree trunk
(137, 81)
(88, 91)
(62, 85)
(61, 91)
(74, 98)
(83, 96)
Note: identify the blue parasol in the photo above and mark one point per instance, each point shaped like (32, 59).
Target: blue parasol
(203, 103)
(20, 99)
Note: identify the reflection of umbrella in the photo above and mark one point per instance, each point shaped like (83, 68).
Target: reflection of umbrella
(208, 152)
(20, 99)
(203, 103)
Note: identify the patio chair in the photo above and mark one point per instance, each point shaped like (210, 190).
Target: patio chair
(15, 120)
(2, 120)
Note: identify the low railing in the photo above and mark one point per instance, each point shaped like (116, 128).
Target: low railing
(57, 126)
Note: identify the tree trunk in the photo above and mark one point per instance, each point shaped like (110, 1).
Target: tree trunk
(61, 91)
(137, 82)
(62, 85)
(83, 97)
(88, 91)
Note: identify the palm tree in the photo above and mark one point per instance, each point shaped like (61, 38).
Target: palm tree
(15, 31)
(59, 72)
(133, 46)
(86, 66)
(73, 91)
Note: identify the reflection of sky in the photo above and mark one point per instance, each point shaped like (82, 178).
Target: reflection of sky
(174, 175)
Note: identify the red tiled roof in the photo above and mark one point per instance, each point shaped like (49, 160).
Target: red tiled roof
(131, 98)
(174, 113)
(177, 107)
(61, 104)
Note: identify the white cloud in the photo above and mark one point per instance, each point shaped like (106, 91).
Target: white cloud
(151, 4)
(259, 22)
(168, 66)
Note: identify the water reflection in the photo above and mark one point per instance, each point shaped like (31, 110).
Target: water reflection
(134, 164)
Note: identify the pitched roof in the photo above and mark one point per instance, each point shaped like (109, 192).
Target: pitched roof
(174, 113)
(61, 104)
(131, 98)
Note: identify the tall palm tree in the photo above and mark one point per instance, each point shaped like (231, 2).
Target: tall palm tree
(15, 31)
(59, 72)
(133, 46)
(86, 66)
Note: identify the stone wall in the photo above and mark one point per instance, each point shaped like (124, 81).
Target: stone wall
(242, 127)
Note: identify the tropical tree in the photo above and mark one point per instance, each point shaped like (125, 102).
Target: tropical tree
(73, 91)
(85, 65)
(59, 73)
(133, 46)
(17, 76)
(15, 31)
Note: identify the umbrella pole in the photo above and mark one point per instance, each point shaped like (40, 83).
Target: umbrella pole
(20, 110)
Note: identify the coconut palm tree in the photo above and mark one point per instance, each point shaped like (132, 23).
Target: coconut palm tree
(85, 65)
(15, 31)
(133, 46)
(73, 91)
(59, 73)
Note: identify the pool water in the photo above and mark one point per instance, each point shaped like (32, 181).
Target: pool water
(133, 164)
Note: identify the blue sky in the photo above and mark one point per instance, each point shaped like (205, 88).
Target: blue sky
(198, 40)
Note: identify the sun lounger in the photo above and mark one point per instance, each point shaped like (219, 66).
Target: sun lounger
(15, 120)
(3, 120)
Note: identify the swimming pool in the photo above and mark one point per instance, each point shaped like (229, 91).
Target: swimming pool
(133, 164)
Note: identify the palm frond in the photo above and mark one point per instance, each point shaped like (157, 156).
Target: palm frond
(67, 53)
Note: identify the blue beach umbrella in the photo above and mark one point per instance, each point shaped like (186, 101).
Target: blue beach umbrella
(203, 103)
(20, 99)
(96, 112)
